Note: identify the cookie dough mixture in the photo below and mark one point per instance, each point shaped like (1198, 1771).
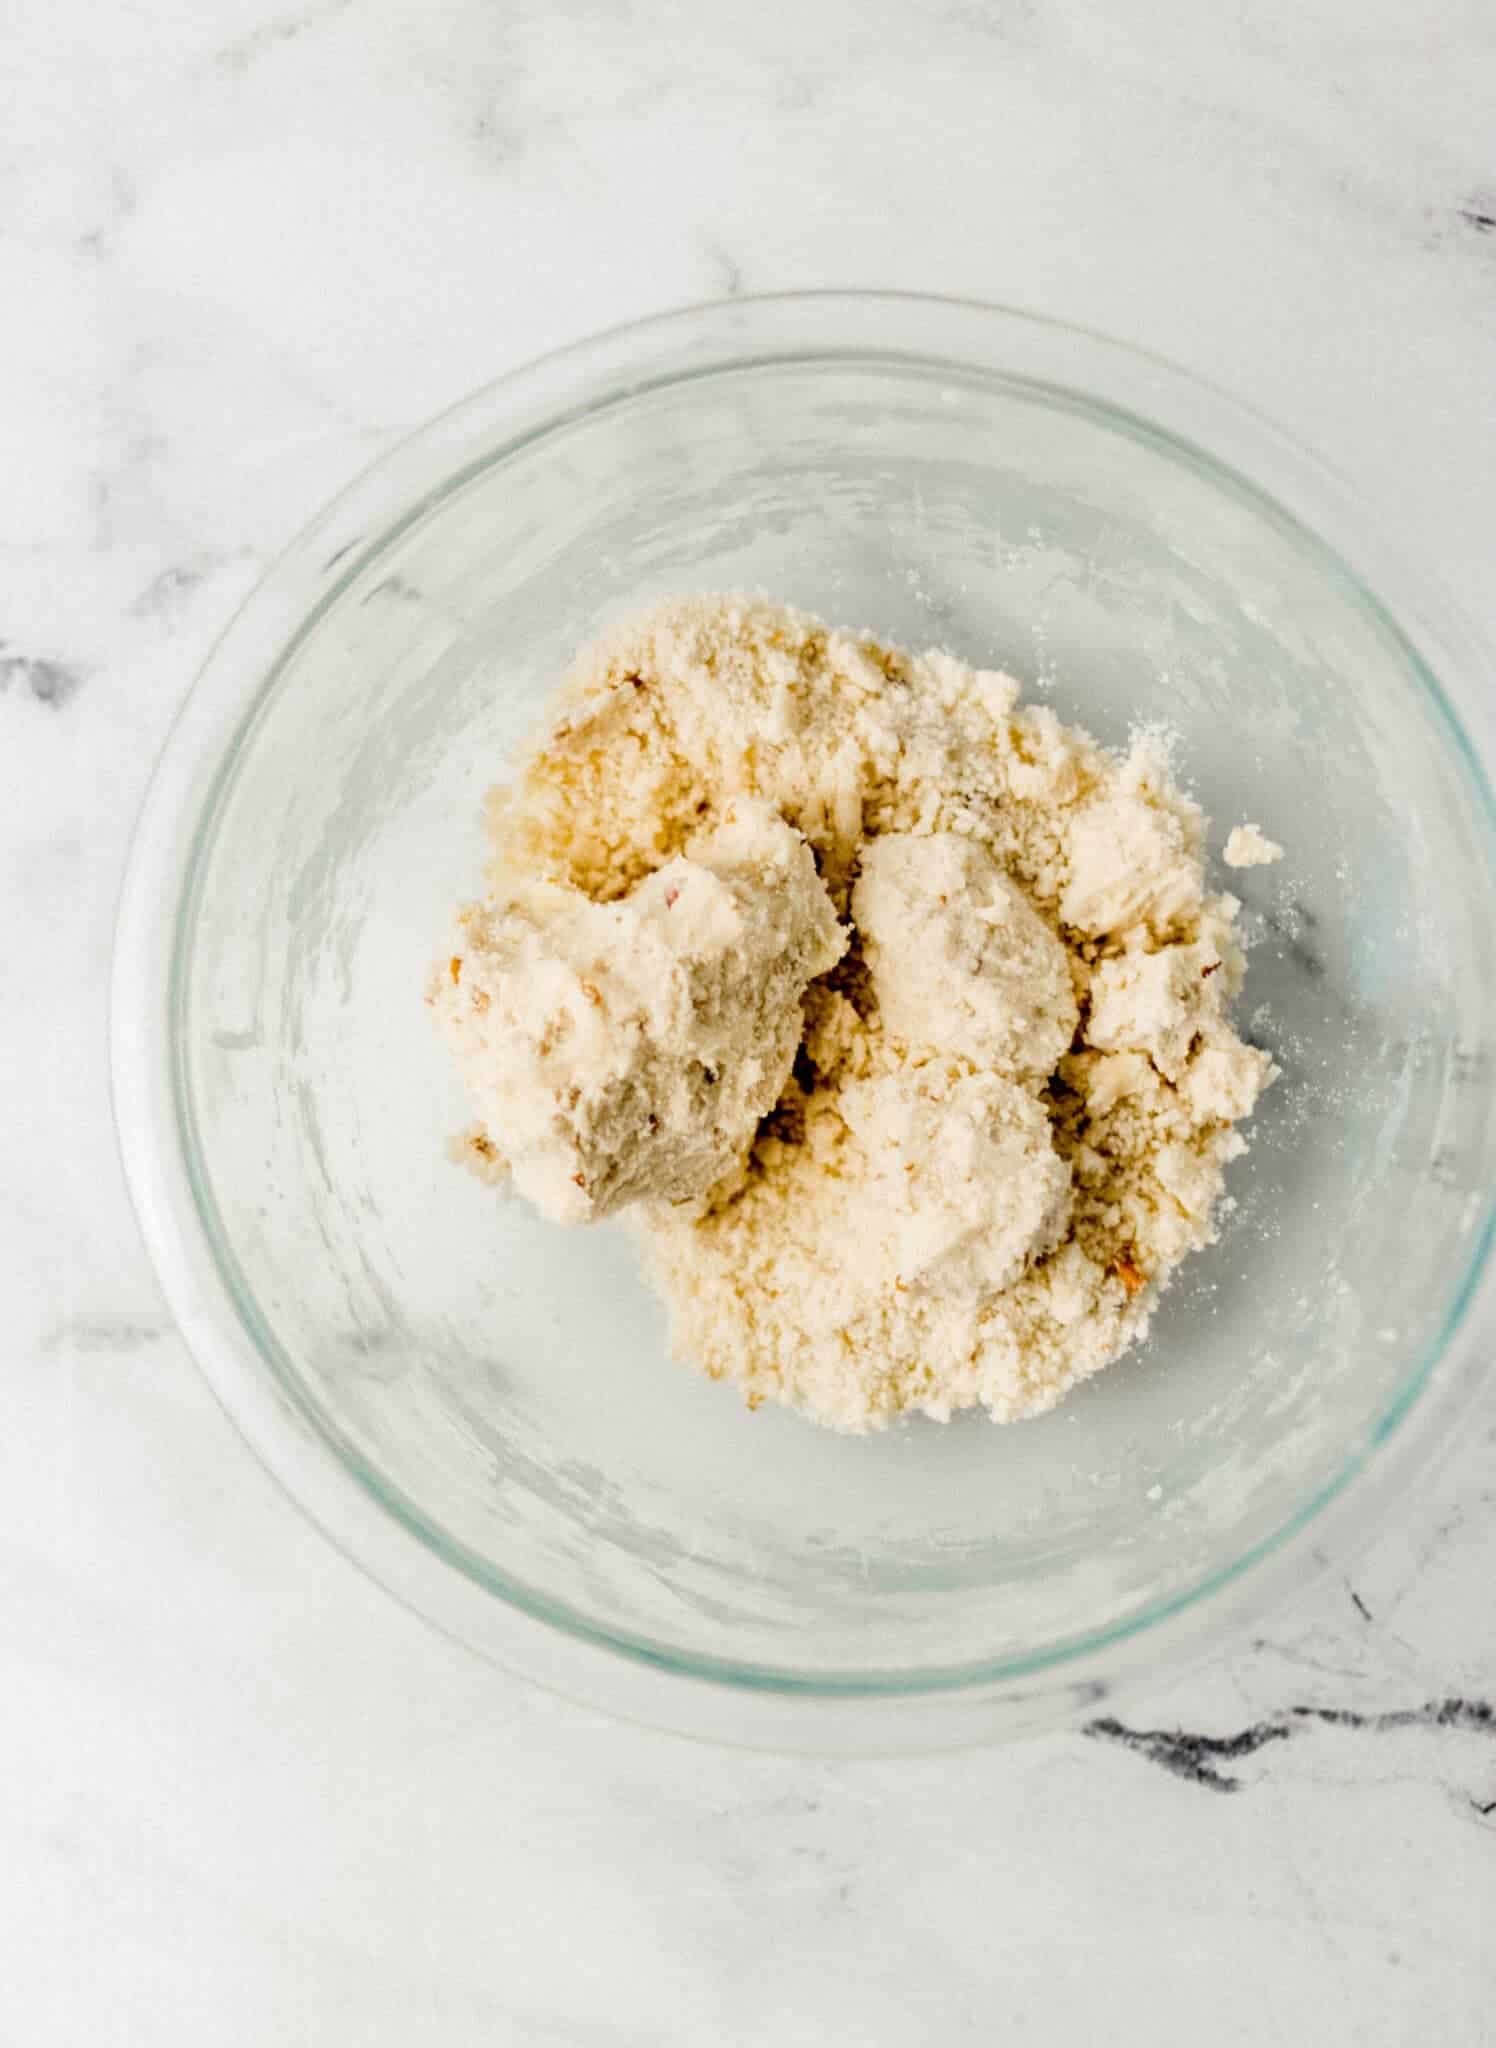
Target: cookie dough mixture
(893, 1014)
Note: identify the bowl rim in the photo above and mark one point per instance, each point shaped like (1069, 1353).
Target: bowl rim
(528, 1632)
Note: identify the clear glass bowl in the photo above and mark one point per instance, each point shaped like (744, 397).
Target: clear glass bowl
(479, 1407)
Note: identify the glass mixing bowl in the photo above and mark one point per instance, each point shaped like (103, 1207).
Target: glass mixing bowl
(479, 1407)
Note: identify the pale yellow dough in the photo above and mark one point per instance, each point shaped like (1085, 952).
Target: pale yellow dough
(896, 1015)
(1250, 847)
(624, 1052)
(959, 959)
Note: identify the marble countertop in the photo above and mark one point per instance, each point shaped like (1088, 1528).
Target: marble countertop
(247, 1799)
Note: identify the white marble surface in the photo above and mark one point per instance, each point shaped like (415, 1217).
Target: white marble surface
(243, 245)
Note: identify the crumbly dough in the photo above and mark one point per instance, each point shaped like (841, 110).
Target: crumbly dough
(955, 1146)
(1250, 847)
(959, 959)
(625, 1052)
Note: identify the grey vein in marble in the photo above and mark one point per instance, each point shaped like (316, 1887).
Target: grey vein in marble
(49, 682)
(93, 1334)
(1198, 1758)
(172, 584)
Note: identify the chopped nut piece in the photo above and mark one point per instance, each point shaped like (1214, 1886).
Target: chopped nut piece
(1130, 1276)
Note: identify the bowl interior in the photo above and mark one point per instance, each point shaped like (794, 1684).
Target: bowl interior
(504, 1386)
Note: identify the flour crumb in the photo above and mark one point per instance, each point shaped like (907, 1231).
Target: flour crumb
(892, 1013)
(1249, 847)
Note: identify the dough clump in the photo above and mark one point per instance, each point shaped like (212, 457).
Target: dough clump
(895, 1014)
(1249, 847)
(959, 959)
(626, 1052)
